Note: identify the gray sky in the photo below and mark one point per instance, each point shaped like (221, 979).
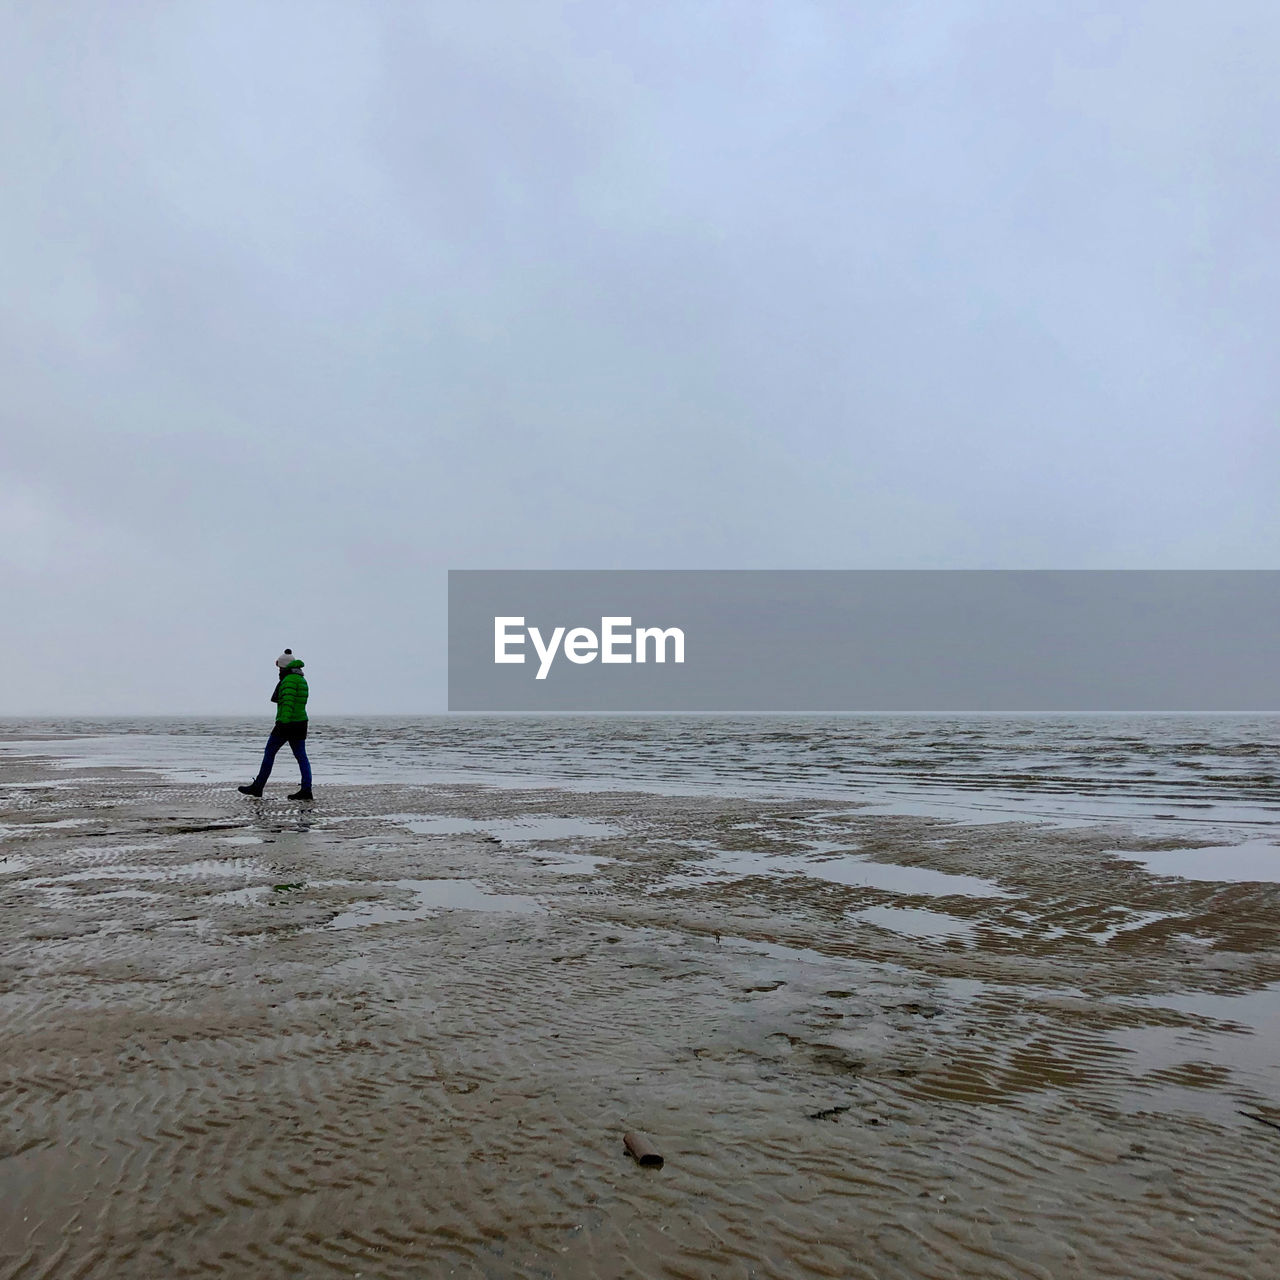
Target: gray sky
(303, 304)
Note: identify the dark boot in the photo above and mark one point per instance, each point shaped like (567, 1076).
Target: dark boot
(251, 790)
(304, 794)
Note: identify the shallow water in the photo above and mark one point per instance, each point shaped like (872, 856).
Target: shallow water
(1252, 860)
(916, 922)
(431, 896)
(515, 830)
(1236, 1034)
(1194, 780)
(1188, 769)
(831, 862)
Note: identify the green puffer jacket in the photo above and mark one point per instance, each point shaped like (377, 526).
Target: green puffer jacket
(291, 695)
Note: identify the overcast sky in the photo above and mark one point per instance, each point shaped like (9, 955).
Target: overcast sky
(303, 304)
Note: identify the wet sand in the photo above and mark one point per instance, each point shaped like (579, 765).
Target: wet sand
(401, 1034)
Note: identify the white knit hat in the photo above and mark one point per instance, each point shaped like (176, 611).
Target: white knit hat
(285, 658)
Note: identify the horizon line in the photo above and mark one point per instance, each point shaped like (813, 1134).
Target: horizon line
(448, 714)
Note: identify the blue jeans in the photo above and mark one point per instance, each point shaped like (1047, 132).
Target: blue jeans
(296, 736)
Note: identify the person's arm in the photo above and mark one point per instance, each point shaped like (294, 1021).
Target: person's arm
(288, 699)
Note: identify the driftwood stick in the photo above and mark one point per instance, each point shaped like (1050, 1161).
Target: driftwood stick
(1248, 1115)
(642, 1149)
(828, 1113)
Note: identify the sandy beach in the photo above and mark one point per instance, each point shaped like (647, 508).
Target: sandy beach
(402, 1033)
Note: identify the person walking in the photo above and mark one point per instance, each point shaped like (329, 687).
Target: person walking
(290, 697)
